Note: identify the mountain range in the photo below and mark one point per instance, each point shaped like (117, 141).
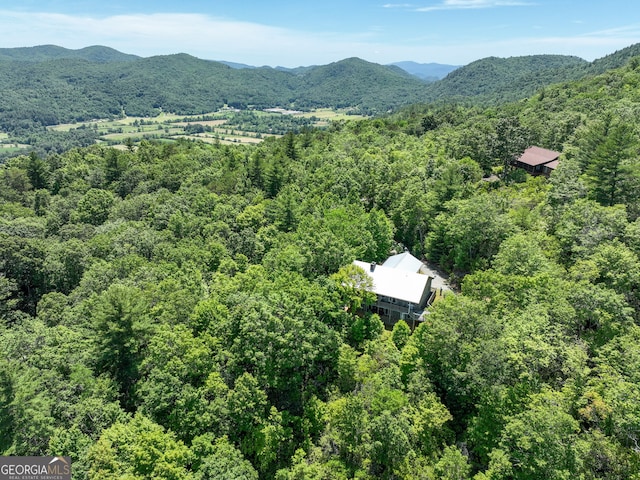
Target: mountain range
(41, 53)
(429, 72)
(49, 84)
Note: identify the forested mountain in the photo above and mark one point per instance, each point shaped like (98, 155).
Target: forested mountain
(74, 89)
(41, 53)
(493, 79)
(614, 60)
(356, 82)
(497, 80)
(190, 311)
(49, 85)
(426, 71)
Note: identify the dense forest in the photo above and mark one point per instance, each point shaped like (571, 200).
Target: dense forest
(493, 80)
(48, 85)
(36, 93)
(190, 311)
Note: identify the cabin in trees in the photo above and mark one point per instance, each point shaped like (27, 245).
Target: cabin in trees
(537, 161)
(402, 291)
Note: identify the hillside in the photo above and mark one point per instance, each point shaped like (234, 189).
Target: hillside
(614, 60)
(495, 79)
(182, 311)
(49, 85)
(356, 82)
(41, 53)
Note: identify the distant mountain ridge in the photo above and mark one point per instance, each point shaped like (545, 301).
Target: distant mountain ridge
(494, 79)
(49, 86)
(616, 59)
(46, 85)
(41, 53)
(427, 71)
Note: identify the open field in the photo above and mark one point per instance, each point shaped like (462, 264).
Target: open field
(169, 127)
(330, 114)
(209, 123)
(7, 145)
(12, 147)
(225, 126)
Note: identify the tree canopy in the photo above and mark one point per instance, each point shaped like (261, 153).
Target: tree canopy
(188, 310)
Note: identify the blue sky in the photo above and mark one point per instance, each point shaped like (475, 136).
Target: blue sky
(293, 33)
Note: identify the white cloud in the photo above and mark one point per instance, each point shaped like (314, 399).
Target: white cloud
(473, 4)
(224, 39)
(622, 31)
(153, 34)
(588, 46)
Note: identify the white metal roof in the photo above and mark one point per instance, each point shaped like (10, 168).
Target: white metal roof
(395, 282)
(403, 261)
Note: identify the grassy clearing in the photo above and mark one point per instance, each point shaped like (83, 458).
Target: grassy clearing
(171, 126)
(209, 123)
(12, 148)
(329, 114)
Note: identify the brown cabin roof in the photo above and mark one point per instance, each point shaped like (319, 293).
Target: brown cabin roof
(552, 165)
(538, 156)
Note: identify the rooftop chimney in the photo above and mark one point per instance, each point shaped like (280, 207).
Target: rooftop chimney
(373, 266)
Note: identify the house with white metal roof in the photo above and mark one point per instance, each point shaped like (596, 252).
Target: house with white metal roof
(401, 292)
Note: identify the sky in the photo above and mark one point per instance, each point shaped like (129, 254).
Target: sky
(309, 32)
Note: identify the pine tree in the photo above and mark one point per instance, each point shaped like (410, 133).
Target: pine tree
(37, 172)
(612, 168)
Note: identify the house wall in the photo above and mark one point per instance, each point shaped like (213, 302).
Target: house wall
(533, 170)
(426, 294)
(391, 310)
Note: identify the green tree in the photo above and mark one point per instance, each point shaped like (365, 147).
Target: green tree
(354, 286)
(22, 262)
(414, 213)
(178, 388)
(65, 264)
(7, 300)
(37, 172)
(113, 163)
(390, 444)
(584, 224)
(509, 139)
(469, 233)
(121, 323)
(614, 172)
(542, 441)
(26, 420)
(400, 334)
(452, 465)
(566, 183)
(94, 206)
(381, 230)
(139, 449)
(224, 462)
(524, 255)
